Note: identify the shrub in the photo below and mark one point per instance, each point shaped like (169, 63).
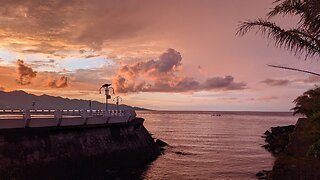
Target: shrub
(308, 104)
(314, 150)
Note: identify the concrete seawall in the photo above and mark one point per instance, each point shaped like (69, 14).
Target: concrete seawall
(65, 151)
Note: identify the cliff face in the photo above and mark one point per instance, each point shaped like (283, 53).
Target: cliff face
(69, 151)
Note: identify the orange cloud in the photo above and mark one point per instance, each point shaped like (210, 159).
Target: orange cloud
(25, 73)
(61, 82)
(1, 88)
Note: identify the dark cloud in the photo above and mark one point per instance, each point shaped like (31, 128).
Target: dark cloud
(276, 82)
(43, 63)
(162, 76)
(226, 83)
(310, 79)
(267, 98)
(25, 73)
(61, 82)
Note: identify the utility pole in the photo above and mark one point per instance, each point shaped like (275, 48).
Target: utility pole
(107, 88)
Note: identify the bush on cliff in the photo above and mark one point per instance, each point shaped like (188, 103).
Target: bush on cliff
(314, 150)
(308, 104)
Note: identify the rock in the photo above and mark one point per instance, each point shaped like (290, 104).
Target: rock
(277, 138)
(162, 150)
(259, 174)
(161, 143)
(180, 153)
(262, 175)
(266, 146)
(267, 132)
(277, 150)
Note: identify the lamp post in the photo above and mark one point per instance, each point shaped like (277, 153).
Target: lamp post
(117, 99)
(33, 104)
(107, 88)
(90, 104)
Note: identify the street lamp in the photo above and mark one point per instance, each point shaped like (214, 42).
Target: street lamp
(33, 104)
(90, 104)
(117, 99)
(107, 88)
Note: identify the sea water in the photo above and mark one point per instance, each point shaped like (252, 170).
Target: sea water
(205, 146)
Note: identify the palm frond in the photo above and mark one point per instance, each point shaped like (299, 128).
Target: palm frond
(308, 10)
(287, 7)
(295, 40)
(294, 69)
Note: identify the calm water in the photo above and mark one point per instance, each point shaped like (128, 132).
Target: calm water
(209, 147)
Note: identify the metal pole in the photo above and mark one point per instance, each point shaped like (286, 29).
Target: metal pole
(33, 104)
(117, 105)
(117, 99)
(107, 93)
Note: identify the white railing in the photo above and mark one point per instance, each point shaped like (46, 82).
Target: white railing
(17, 118)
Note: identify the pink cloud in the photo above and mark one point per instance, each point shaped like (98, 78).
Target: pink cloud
(162, 75)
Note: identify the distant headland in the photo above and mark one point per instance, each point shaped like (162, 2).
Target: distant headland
(23, 100)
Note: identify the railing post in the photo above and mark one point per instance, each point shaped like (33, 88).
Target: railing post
(58, 116)
(85, 116)
(106, 114)
(26, 117)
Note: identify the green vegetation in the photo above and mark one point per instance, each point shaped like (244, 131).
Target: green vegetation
(308, 104)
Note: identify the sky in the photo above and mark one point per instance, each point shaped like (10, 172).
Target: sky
(162, 55)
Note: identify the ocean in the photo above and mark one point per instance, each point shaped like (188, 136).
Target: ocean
(203, 146)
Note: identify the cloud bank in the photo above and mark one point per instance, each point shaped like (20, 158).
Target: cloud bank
(163, 75)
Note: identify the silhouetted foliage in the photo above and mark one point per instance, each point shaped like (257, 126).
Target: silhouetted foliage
(302, 39)
(314, 150)
(308, 104)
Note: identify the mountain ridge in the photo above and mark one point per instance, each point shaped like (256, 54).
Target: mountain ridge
(22, 100)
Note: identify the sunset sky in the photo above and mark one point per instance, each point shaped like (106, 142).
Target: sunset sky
(163, 55)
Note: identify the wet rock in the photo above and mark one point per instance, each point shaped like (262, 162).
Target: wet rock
(278, 138)
(180, 153)
(266, 146)
(262, 175)
(161, 143)
(267, 132)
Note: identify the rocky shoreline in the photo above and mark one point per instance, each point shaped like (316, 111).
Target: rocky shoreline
(295, 149)
(277, 138)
